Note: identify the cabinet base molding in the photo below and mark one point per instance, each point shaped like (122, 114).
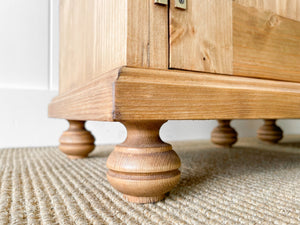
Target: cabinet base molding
(148, 94)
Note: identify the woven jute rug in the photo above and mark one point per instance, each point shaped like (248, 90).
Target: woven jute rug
(252, 183)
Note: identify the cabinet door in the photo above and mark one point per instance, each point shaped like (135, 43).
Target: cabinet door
(253, 38)
(201, 36)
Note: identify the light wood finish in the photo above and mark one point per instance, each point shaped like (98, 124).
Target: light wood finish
(92, 101)
(156, 94)
(245, 38)
(265, 45)
(147, 41)
(201, 37)
(143, 168)
(92, 40)
(159, 36)
(286, 8)
(76, 142)
(270, 132)
(144, 94)
(224, 135)
(138, 33)
(99, 36)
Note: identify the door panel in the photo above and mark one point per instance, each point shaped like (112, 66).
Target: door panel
(265, 45)
(253, 38)
(201, 36)
(285, 8)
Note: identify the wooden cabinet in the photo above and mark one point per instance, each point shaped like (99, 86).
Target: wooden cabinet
(143, 63)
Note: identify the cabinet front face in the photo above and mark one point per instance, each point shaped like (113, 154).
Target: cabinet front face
(254, 38)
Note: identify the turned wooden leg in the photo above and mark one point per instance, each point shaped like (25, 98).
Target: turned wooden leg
(224, 135)
(270, 132)
(143, 168)
(76, 142)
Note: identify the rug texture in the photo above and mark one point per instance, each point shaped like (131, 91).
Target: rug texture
(251, 183)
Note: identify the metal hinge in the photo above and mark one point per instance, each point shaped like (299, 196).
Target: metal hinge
(181, 4)
(162, 2)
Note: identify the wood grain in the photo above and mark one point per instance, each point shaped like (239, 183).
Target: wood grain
(143, 168)
(138, 33)
(144, 94)
(99, 36)
(265, 45)
(224, 135)
(139, 94)
(147, 42)
(76, 142)
(285, 8)
(269, 132)
(159, 36)
(201, 36)
(92, 40)
(92, 101)
(256, 38)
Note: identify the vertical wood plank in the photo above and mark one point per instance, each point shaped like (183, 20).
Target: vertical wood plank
(159, 40)
(138, 33)
(201, 36)
(92, 38)
(147, 43)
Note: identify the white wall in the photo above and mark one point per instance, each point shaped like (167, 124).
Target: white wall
(29, 80)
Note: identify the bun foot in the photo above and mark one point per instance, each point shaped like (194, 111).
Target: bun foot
(143, 168)
(76, 142)
(270, 132)
(224, 135)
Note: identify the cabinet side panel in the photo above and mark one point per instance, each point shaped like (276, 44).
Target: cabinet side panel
(147, 44)
(201, 36)
(92, 40)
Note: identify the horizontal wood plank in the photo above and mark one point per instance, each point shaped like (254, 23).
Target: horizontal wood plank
(145, 94)
(142, 94)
